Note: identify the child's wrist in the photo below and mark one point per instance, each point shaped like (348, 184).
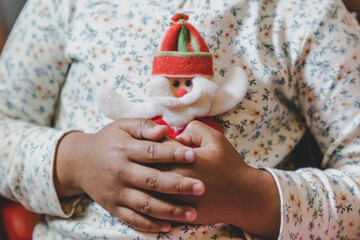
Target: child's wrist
(67, 164)
(256, 205)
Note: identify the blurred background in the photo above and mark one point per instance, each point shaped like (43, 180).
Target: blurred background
(9, 10)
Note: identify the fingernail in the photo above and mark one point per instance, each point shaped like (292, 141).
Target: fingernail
(165, 228)
(190, 215)
(197, 189)
(190, 156)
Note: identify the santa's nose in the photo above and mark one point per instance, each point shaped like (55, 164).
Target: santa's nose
(181, 92)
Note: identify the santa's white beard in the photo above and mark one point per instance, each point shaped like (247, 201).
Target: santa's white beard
(205, 99)
(178, 112)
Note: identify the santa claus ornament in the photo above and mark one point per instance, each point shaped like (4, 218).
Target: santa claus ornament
(182, 87)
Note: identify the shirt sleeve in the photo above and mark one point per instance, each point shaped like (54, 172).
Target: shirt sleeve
(33, 69)
(325, 86)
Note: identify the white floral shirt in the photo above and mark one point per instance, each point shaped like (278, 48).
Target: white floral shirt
(302, 59)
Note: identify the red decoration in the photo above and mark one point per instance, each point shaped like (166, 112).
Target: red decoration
(178, 16)
(183, 52)
(199, 39)
(16, 221)
(170, 41)
(210, 121)
(183, 66)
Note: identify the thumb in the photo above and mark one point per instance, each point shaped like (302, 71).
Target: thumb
(141, 128)
(199, 134)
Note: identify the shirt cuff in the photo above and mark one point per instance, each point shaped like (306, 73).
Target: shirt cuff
(277, 179)
(32, 175)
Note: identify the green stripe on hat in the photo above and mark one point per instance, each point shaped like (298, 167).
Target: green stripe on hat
(194, 44)
(183, 54)
(183, 35)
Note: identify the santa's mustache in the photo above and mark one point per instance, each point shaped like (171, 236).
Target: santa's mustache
(159, 90)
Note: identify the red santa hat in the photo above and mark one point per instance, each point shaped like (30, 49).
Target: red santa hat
(183, 52)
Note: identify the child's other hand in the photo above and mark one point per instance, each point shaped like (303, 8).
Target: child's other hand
(110, 166)
(235, 193)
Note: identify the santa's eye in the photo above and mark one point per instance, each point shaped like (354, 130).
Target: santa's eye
(176, 83)
(188, 83)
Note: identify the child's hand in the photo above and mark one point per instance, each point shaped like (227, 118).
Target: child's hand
(110, 167)
(235, 193)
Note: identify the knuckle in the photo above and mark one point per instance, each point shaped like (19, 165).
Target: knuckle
(144, 122)
(137, 223)
(151, 151)
(171, 213)
(131, 220)
(152, 228)
(148, 227)
(118, 173)
(152, 181)
(146, 208)
(179, 187)
(133, 223)
(119, 196)
(121, 148)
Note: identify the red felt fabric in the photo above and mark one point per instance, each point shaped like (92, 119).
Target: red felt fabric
(189, 45)
(172, 65)
(210, 121)
(178, 16)
(170, 41)
(183, 66)
(203, 46)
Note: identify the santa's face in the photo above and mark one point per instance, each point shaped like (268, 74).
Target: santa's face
(180, 86)
(178, 110)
